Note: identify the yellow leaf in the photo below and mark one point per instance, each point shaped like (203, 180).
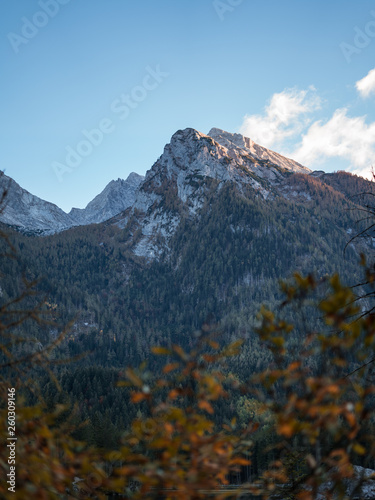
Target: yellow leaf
(160, 350)
(178, 350)
(278, 341)
(133, 377)
(359, 449)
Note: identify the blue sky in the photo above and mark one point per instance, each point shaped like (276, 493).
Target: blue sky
(93, 89)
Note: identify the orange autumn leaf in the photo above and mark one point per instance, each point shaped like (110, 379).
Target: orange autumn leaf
(160, 350)
(205, 405)
(170, 367)
(173, 394)
(136, 397)
(286, 429)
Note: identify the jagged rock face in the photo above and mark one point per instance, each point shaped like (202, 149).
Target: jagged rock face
(30, 214)
(231, 141)
(116, 197)
(190, 165)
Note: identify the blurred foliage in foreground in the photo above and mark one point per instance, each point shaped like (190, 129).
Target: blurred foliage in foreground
(321, 420)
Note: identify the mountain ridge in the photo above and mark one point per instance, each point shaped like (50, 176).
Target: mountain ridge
(174, 187)
(116, 196)
(259, 152)
(177, 183)
(30, 214)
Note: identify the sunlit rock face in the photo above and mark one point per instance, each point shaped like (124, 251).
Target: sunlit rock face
(231, 141)
(192, 164)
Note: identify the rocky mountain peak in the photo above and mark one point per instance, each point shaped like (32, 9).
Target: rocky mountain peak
(116, 197)
(191, 165)
(192, 155)
(233, 141)
(134, 178)
(229, 140)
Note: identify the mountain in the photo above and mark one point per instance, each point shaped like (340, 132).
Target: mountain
(32, 215)
(213, 228)
(190, 157)
(191, 164)
(28, 213)
(116, 197)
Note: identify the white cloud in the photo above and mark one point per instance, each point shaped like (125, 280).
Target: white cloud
(366, 86)
(349, 138)
(284, 117)
(285, 121)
